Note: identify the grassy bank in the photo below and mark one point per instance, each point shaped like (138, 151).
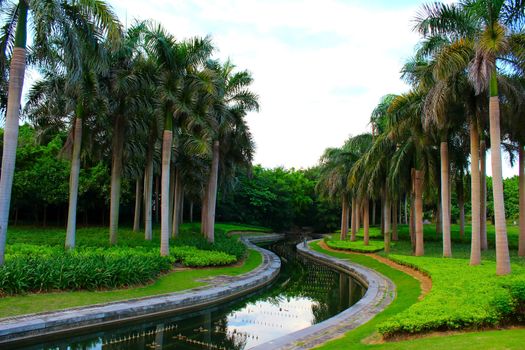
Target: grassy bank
(462, 296)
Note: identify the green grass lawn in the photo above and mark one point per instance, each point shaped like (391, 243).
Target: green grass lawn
(99, 236)
(168, 283)
(460, 293)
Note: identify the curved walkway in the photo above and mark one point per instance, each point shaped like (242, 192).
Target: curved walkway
(21, 327)
(380, 293)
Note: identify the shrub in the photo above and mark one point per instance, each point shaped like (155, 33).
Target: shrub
(33, 269)
(357, 246)
(191, 256)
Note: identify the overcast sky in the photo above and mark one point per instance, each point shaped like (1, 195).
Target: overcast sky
(320, 67)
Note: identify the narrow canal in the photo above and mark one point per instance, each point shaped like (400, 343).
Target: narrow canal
(305, 293)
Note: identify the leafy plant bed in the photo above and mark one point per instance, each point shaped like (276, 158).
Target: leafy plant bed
(357, 246)
(170, 282)
(92, 265)
(462, 297)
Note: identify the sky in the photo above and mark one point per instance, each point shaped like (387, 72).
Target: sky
(319, 67)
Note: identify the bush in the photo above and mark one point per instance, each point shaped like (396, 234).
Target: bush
(33, 269)
(357, 246)
(191, 256)
(223, 243)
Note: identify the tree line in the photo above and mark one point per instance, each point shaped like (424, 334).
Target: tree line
(467, 93)
(138, 97)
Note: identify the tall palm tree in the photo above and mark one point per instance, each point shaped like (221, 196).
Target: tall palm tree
(177, 62)
(490, 25)
(49, 19)
(231, 101)
(335, 165)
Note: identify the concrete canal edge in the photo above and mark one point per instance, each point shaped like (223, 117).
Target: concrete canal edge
(381, 291)
(20, 328)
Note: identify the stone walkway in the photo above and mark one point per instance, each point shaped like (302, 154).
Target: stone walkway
(20, 327)
(380, 293)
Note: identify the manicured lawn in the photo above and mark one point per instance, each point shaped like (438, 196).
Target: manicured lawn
(461, 295)
(169, 283)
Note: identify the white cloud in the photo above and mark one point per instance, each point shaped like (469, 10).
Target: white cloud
(320, 67)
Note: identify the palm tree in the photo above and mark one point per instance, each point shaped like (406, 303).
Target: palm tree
(49, 19)
(335, 165)
(177, 62)
(231, 101)
(490, 25)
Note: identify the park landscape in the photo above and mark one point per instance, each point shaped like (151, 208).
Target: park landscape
(127, 172)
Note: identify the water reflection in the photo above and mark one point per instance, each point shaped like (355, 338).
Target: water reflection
(304, 294)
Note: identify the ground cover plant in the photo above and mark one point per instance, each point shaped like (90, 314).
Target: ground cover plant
(174, 281)
(37, 262)
(355, 246)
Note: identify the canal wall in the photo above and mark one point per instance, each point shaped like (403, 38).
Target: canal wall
(18, 328)
(381, 291)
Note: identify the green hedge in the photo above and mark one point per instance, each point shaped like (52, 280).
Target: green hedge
(462, 296)
(357, 246)
(191, 256)
(54, 270)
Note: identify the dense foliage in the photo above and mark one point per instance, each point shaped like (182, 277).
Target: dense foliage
(278, 198)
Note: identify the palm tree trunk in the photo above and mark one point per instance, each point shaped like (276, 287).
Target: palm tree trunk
(412, 222)
(445, 200)
(172, 199)
(138, 203)
(167, 140)
(418, 187)
(502, 245)
(357, 216)
(116, 179)
(212, 193)
(521, 247)
(475, 250)
(387, 218)
(373, 212)
(366, 234)
(181, 205)
(73, 182)
(461, 205)
(354, 220)
(381, 215)
(176, 205)
(344, 218)
(438, 215)
(483, 195)
(191, 211)
(148, 193)
(394, 220)
(406, 210)
(16, 84)
(204, 210)
(157, 195)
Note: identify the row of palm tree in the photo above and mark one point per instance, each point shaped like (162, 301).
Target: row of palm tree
(145, 101)
(467, 93)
